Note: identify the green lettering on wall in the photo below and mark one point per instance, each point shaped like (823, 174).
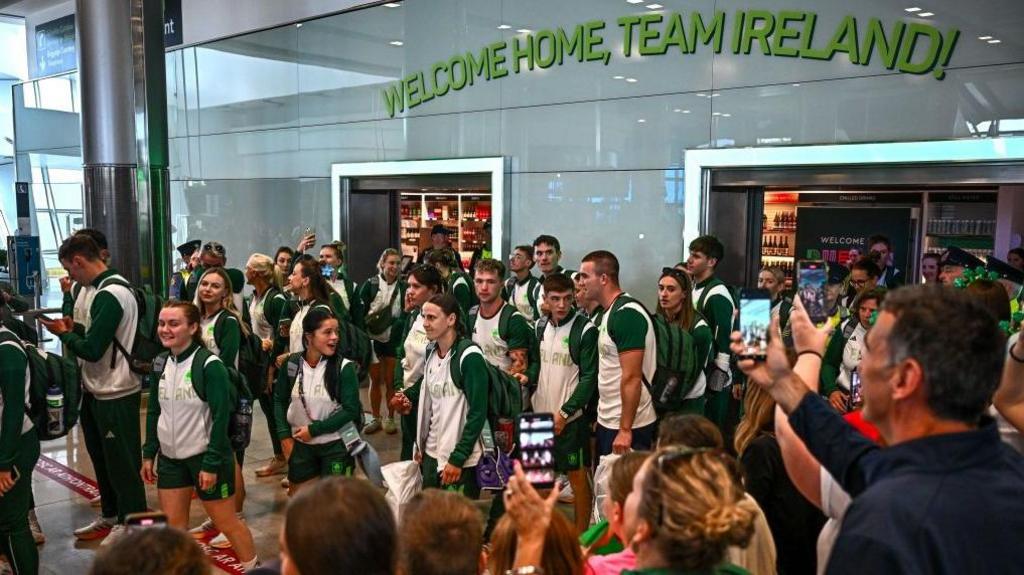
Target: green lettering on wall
(394, 99)
(545, 49)
(675, 34)
(699, 32)
(737, 31)
(592, 42)
(496, 59)
(457, 83)
(759, 25)
(478, 67)
(915, 48)
(783, 32)
(522, 49)
(439, 67)
(648, 34)
(627, 23)
(910, 46)
(567, 46)
(888, 46)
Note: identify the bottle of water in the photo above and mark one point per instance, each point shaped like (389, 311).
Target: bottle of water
(241, 429)
(54, 410)
(670, 388)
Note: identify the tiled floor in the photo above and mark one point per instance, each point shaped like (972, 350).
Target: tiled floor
(61, 510)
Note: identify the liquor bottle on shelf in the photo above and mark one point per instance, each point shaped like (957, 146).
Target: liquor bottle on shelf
(764, 222)
(785, 245)
(776, 221)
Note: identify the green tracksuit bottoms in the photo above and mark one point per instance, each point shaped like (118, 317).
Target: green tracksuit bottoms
(113, 439)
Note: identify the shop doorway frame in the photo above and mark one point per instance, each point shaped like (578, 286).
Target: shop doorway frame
(930, 155)
(498, 168)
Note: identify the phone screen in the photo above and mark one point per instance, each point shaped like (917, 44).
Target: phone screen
(537, 444)
(146, 519)
(811, 279)
(350, 435)
(854, 390)
(755, 317)
(327, 271)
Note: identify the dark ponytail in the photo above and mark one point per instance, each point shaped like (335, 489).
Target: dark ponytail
(450, 306)
(319, 289)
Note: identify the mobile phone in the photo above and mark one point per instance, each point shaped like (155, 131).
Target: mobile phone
(854, 398)
(755, 317)
(146, 519)
(812, 275)
(537, 448)
(353, 441)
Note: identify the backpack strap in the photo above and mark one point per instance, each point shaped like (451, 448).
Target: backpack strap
(159, 363)
(510, 285)
(532, 290)
(332, 380)
(580, 326)
(202, 357)
(504, 319)
(541, 327)
(461, 351)
(715, 282)
(471, 316)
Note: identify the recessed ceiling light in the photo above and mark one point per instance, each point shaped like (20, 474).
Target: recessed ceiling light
(392, 5)
(686, 111)
(925, 14)
(726, 115)
(631, 80)
(617, 77)
(716, 113)
(641, 121)
(504, 27)
(523, 31)
(677, 110)
(984, 37)
(299, 25)
(796, 84)
(995, 41)
(912, 9)
(396, 43)
(655, 6)
(701, 94)
(635, 1)
(715, 95)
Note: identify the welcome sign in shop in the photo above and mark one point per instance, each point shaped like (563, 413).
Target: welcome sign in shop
(911, 48)
(831, 233)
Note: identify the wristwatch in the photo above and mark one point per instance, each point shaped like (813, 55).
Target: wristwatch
(526, 570)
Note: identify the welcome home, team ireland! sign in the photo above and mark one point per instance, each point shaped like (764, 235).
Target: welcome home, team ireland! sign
(911, 48)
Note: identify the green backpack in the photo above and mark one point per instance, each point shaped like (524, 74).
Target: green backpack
(252, 361)
(504, 400)
(146, 346)
(48, 370)
(678, 366)
(240, 425)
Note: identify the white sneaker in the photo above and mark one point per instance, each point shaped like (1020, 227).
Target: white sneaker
(203, 529)
(251, 564)
(220, 542)
(116, 533)
(566, 496)
(98, 529)
(373, 427)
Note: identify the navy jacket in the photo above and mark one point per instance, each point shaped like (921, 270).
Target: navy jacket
(950, 503)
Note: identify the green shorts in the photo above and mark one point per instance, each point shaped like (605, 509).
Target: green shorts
(572, 447)
(178, 473)
(310, 461)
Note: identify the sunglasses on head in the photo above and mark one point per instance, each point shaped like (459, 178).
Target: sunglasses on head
(215, 248)
(676, 273)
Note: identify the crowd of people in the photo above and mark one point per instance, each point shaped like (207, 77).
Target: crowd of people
(864, 443)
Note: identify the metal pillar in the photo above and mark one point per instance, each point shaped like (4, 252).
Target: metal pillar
(124, 133)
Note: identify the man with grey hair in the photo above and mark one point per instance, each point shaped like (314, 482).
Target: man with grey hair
(945, 495)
